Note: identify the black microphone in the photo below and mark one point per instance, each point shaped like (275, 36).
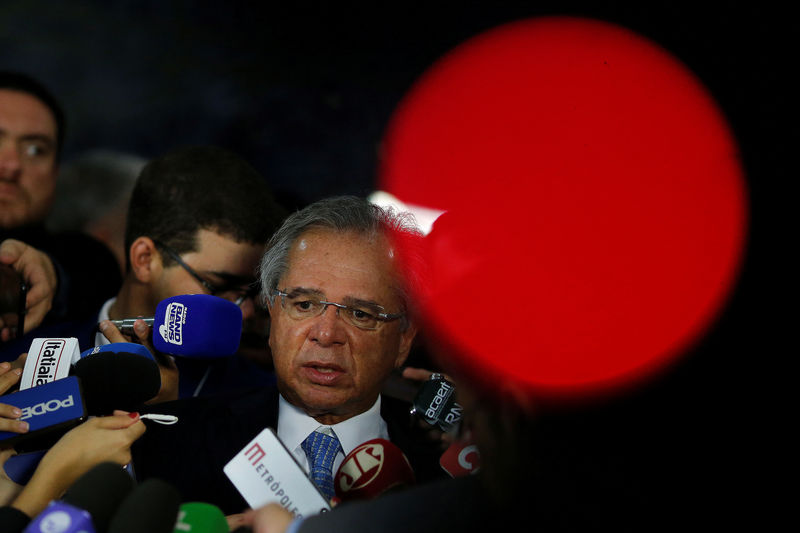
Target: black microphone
(100, 491)
(434, 401)
(88, 504)
(151, 507)
(117, 381)
(99, 384)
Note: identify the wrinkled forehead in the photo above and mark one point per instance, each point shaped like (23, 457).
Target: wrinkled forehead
(344, 265)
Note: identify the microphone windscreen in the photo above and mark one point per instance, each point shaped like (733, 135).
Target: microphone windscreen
(100, 491)
(199, 517)
(371, 469)
(117, 381)
(117, 347)
(197, 325)
(151, 507)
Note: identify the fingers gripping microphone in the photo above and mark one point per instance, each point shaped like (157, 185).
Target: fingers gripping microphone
(371, 469)
(99, 384)
(50, 410)
(194, 325)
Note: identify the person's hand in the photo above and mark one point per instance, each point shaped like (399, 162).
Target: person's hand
(271, 518)
(166, 363)
(9, 414)
(100, 439)
(39, 274)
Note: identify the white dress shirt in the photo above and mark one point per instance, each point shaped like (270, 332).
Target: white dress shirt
(294, 426)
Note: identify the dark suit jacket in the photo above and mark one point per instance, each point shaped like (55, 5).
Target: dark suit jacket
(191, 454)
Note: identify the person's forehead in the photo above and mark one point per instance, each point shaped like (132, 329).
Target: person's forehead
(223, 253)
(27, 111)
(341, 265)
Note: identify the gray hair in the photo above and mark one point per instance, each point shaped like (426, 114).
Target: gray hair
(341, 214)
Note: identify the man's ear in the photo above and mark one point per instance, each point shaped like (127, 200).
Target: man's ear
(406, 341)
(145, 260)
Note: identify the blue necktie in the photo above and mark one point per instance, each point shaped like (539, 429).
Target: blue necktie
(321, 450)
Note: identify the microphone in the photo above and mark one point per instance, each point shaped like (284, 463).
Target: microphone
(193, 325)
(264, 471)
(371, 469)
(435, 402)
(118, 347)
(117, 381)
(461, 458)
(198, 517)
(107, 381)
(50, 410)
(48, 360)
(151, 507)
(88, 504)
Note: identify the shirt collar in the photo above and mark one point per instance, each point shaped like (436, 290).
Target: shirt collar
(99, 338)
(294, 425)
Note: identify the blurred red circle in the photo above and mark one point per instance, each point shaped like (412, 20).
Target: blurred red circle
(596, 205)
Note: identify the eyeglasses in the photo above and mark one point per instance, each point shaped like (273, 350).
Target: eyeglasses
(300, 306)
(236, 294)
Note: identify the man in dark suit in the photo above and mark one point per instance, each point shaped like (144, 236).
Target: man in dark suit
(339, 326)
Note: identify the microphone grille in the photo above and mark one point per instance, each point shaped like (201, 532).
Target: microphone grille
(100, 491)
(151, 507)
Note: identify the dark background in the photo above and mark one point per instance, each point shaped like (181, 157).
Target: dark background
(304, 93)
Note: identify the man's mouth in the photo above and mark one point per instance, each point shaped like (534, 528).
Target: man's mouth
(322, 373)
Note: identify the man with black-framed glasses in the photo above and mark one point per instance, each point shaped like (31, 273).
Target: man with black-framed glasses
(198, 220)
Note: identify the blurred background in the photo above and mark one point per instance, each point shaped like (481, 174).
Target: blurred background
(304, 92)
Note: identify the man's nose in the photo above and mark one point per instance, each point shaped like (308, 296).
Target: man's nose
(328, 328)
(10, 163)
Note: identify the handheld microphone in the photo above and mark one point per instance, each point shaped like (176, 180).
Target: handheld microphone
(435, 402)
(50, 410)
(48, 360)
(108, 381)
(194, 325)
(461, 458)
(371, 469)
(264, 471)
(88, 504)
(117, 381)
(152, 507)
(118, 347)
(100, 491)
(198, 517)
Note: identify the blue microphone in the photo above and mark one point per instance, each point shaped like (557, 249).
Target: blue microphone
(193, 325)
(119, 347)
(49, 409)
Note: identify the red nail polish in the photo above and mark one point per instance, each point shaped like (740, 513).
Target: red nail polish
(133, 415)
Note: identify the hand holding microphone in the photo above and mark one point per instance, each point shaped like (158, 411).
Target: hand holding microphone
(96, 441)
(166, 363)
(192, 325)
(39, 274)
(9, 413)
